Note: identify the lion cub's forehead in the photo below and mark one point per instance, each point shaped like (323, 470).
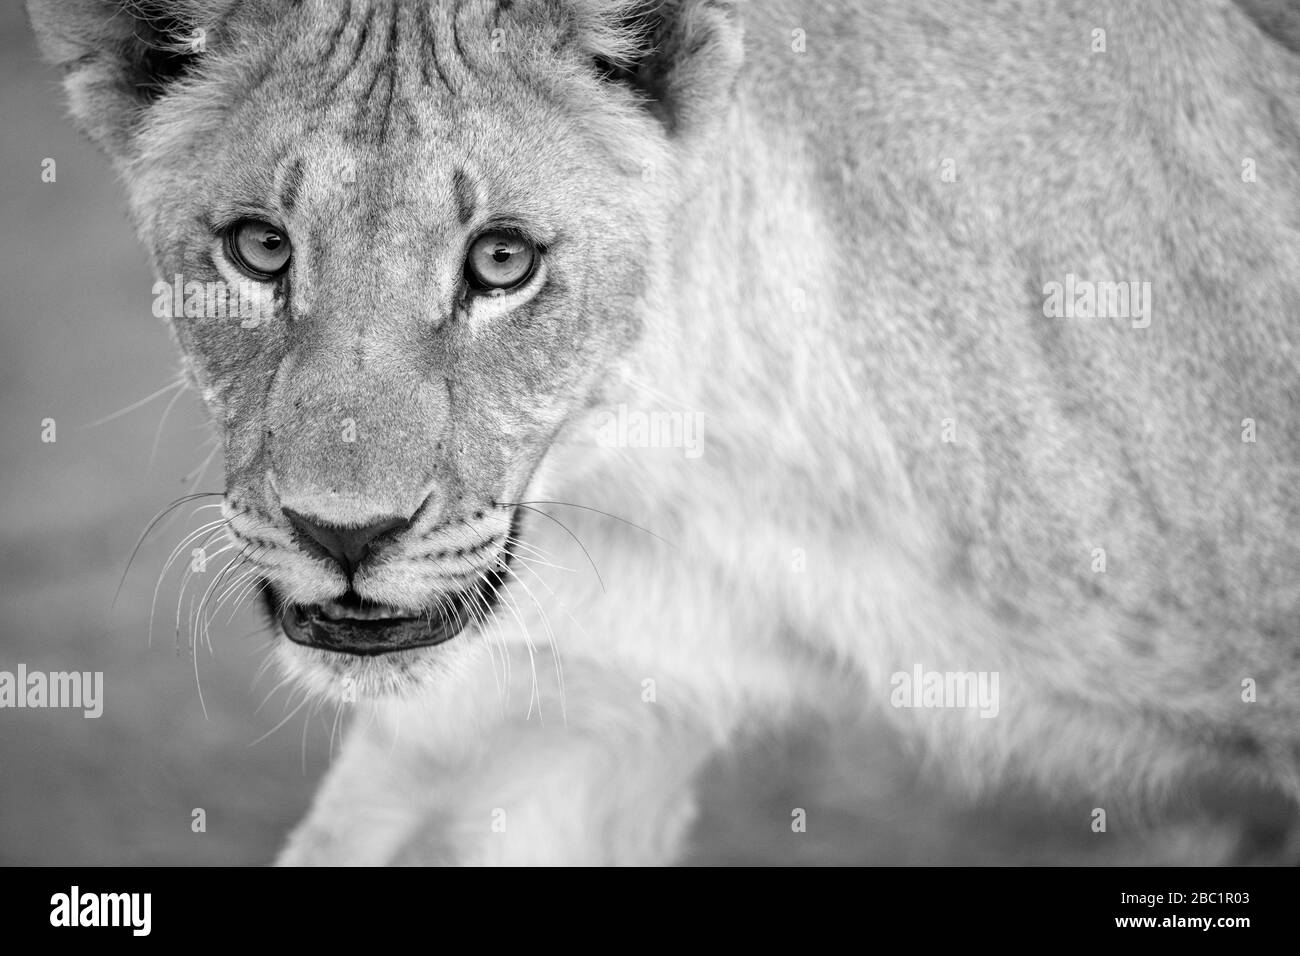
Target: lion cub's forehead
(394, 97)
(382, 59)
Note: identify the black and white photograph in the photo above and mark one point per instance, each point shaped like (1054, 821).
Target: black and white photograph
(640, 433)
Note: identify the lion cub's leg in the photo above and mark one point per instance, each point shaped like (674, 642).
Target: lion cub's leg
(455, 782)
(356, 817)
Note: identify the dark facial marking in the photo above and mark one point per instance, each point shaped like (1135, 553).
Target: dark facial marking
(429, 49)
(464, 189)
(385, 72)
(338, 31)
(455, 35)
(362, 36)
(390, 60)
(291, 186)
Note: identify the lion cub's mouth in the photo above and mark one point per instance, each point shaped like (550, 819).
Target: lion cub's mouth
(348, 625)
(352, 627)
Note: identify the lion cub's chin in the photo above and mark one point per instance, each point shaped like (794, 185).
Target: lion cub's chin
(348, 678)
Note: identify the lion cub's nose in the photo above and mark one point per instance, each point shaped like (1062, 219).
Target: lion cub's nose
(348, 546)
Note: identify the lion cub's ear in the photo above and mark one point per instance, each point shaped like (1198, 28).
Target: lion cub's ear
(680, 56)
(118, 56)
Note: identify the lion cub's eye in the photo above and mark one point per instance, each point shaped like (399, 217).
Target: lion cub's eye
(499, 261)
(258, 248)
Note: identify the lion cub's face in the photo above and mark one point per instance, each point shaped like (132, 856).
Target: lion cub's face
(435, 255)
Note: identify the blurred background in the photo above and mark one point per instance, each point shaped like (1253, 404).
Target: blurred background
(77, 344)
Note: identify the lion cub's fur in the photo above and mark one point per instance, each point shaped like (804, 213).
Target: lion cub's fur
(828, 236)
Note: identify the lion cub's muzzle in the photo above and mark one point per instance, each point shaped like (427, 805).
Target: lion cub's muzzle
(349, 624)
